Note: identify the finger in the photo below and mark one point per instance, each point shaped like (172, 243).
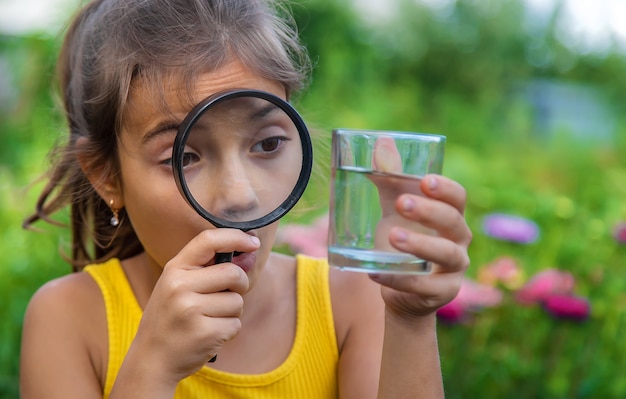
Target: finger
(220, 329)
(446, 190)
(201, 250)
(219, 277)
(386, 157)
(437, 215)
(220, 304)
(181, 288)
(179, 278)
(450, 256)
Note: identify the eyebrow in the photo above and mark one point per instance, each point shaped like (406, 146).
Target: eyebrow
(263, 112)
(171, 127)
(162, 128)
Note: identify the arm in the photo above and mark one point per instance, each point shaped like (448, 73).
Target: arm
(65, 345)
(61, 321)
(410, 366)
(382, 354)
(430, 225)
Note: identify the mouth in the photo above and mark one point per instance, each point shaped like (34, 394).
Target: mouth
(245, 260)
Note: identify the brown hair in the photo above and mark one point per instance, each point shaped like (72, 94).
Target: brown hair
(113, 42)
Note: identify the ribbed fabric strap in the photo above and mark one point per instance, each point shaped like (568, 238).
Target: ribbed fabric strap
(122, 311)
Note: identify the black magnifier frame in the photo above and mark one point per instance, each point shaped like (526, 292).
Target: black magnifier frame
(179, 149)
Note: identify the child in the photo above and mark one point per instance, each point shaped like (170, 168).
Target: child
(150, 310)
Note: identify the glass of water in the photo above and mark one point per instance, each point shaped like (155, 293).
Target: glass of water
(370, 170)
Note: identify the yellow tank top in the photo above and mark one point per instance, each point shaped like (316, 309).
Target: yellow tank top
(310, 370)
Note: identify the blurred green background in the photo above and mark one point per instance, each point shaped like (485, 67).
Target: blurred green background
(536, 127)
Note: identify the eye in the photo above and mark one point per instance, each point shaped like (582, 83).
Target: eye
(190, 158)
(269, 145)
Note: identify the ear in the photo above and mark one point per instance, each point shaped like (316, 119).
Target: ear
(101, 175)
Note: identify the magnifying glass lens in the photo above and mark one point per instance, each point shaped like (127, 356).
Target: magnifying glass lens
(242, 161)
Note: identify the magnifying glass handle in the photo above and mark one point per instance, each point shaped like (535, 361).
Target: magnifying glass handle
(223, 257)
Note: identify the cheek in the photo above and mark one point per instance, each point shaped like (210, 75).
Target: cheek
(162, 220)
(267, 235)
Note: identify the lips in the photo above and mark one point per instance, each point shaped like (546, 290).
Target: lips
(245, 260)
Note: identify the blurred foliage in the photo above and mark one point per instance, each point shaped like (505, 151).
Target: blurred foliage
(29, 125)
(459, 70)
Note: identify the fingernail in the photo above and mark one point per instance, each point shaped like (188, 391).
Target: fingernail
(255, 241)
(401, 235)
(409, 204)
(432, 183)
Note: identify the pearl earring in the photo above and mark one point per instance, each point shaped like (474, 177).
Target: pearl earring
(115, 219)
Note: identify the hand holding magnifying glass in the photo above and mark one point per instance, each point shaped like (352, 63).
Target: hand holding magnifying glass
(242, 160)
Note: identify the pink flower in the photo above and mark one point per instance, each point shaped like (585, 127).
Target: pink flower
(503, 270)
(452, 313)
(544, 285)
(471, 296)
(620, 233)
(567, 307)
(510, 228)
(307, 240)
(474, 295)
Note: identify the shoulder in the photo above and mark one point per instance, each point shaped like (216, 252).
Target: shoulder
(65, 297)
(71, 305)
(65, 285)
(64, 329)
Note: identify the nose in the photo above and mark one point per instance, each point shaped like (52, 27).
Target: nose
(238, 202)
(236, 196)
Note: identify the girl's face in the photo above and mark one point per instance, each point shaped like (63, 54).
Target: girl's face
(160, 216)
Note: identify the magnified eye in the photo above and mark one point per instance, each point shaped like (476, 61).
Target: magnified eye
(269, 145)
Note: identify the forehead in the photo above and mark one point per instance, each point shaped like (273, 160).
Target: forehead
(148, 104)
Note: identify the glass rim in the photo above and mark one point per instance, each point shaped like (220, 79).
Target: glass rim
(433, 137)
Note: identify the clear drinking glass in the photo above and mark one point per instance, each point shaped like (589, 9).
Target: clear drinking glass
(370, 170)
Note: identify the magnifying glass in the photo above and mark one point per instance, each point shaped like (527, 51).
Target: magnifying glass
(242, 159)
